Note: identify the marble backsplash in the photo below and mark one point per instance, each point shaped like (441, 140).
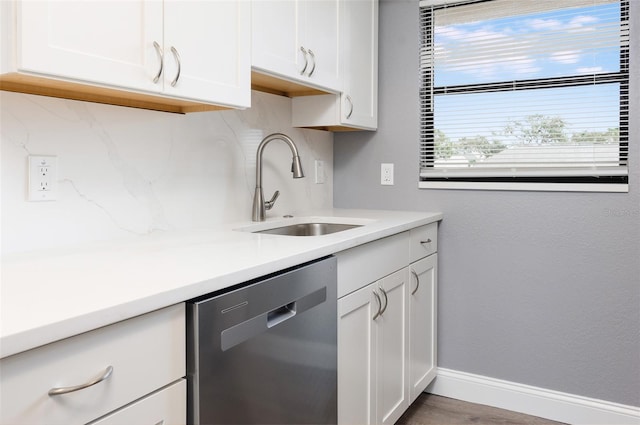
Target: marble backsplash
(126, 172)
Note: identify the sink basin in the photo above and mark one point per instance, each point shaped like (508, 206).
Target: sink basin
(308, 229)
(313, 225)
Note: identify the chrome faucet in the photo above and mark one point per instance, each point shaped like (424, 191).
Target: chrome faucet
(260, 206)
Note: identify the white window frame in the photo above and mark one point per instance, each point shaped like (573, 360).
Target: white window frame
(548, 183)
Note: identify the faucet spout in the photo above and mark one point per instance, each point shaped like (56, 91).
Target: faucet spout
(259, 204)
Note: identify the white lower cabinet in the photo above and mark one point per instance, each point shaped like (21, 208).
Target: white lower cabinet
(422, 324)
(393, 345)
(372, 354)
(357, 357)
(165, 407)
(386, 328)
(125, 363)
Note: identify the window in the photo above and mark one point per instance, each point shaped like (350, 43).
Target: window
(531, 92)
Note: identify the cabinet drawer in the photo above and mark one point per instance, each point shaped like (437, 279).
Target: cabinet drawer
(359, 266)
(146, 353)
(424, 241)
(166, 407)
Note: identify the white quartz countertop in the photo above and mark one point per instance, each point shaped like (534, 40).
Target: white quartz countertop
(50, 295)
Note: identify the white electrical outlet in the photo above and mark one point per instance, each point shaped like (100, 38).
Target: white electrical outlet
(43, 178)
(386, 174)
(319, 171)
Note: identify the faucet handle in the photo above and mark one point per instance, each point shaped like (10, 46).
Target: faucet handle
(269, 204)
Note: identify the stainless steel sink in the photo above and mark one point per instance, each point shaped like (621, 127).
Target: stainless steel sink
(309, 229)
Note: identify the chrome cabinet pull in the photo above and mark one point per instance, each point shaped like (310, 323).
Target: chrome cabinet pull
(417, 281)
(306, 59)
(350, 106)
(177, 56)
(161, 56)
(425, 242)
(386, 301)
(313, 59)
(65, 390)
(379, 305)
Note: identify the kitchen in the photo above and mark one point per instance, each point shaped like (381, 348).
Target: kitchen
(538, 291)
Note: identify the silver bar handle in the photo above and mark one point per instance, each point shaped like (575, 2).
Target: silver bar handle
(379, 305)
(425, 242)
(413, 272)
(161, 56)
(313, 59)
(269, 204)
(350, 106)
(177, 56)
(306, 60)
(386, 301)
(65, 390)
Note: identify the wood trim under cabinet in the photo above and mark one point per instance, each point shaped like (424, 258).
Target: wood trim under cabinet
(21, 83)
(274, 85)
(333, 128)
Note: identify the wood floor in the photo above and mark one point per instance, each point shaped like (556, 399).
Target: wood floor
(429, 409)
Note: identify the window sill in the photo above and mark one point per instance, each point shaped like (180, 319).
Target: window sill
(534, 187)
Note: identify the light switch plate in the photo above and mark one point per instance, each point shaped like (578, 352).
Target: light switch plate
(43, 178)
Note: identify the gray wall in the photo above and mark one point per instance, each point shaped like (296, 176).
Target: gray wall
(539, 288)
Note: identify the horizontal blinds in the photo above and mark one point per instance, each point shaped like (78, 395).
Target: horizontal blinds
(511, 88)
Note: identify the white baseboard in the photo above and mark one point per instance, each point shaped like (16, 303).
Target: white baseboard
(549, 404)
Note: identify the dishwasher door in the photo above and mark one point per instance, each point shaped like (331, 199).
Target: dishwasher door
(266, 352)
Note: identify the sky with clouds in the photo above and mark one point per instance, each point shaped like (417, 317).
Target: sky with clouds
(504, 48)
(585, 42)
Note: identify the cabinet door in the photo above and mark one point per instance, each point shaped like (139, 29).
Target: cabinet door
(275, 41)
(359, 43)
(211, 41)
(283, 32)
(393, 347)
(422, 326)
(104, 42)
(357, 105)
(319, 33)
(357, 357)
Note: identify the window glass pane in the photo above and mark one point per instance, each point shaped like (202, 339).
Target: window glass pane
(574, 41)
(555, 126)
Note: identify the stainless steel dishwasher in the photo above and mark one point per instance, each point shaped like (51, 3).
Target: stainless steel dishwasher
(265, 352)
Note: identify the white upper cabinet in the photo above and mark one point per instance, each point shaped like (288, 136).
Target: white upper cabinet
(105, 42)
(359, 32)
(357, 105)
(197, 51)
(320, 39)
(208, 43)
(297, 40)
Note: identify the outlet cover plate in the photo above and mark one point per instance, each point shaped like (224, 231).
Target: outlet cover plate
(319, 165)
(386, 174)
(43, 178)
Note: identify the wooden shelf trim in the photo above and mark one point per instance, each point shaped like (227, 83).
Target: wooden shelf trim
(16, 82)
